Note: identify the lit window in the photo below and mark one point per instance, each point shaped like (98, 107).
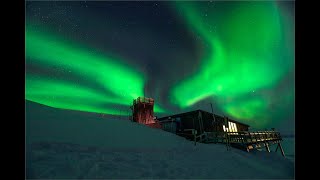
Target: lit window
(224, 128)
(232, 127)
(235, 128)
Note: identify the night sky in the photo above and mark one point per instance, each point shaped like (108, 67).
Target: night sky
(99, 56)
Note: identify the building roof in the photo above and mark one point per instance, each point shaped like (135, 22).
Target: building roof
(195, 111)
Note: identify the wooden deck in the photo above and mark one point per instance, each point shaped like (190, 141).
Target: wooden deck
(242, 140)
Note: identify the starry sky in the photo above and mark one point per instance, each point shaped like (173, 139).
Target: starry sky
(98, 56)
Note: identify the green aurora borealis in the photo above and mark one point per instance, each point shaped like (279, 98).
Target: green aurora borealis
(47, 50)
(249, 51)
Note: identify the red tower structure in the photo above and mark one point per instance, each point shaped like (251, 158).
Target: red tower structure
(142, 112)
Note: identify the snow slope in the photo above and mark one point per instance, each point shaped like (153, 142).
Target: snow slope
(70, 144)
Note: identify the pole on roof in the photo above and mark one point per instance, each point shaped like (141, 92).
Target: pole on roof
(214, 118)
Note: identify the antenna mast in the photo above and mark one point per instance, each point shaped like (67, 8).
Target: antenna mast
(214, 118)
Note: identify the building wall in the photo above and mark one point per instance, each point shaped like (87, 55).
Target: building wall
(189, 121)
(169, 126)
(206, 123)
(242, 127)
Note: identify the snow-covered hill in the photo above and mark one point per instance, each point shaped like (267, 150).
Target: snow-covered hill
(70, 144)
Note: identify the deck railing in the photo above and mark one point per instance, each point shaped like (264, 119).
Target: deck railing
(249, 137)
(244, 139)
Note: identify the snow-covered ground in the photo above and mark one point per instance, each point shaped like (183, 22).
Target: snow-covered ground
(68, 144)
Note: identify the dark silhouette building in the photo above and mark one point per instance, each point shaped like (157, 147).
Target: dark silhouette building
(201, 121)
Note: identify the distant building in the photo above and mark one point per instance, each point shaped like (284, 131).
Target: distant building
(142, 112)
(201, 121)
(202, 126)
